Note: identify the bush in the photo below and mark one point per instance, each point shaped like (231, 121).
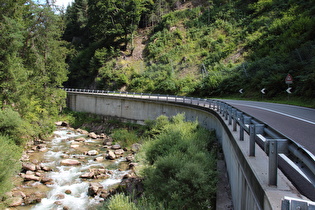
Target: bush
(120, 202)
(182, 171)
(13, 125)
(10, 154)
(124, 137)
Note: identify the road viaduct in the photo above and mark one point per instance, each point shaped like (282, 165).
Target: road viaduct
(253, 152)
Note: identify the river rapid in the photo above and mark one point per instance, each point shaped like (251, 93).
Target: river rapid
(68, 186)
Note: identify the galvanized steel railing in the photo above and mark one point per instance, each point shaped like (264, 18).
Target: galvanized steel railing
(271, 141)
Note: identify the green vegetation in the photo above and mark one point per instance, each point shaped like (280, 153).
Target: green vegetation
(209, 48)
(178, 166)
(32, 67)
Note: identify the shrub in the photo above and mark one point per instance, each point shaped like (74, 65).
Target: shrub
(125, 137)
(182, 171)
(10, 154)
(120, 202)
(13, 125)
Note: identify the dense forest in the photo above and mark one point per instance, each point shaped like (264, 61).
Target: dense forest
(195, 47)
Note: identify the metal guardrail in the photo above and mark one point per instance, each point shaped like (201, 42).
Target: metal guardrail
(271, 141)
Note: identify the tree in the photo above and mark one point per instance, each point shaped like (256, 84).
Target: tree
(112, 19)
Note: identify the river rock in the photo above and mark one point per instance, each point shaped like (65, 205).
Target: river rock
(30, 173)
(80, 139)
(46, 180)
(116, 146)
(44, 149)
(119, 152)
(132, 165)
(15, 201)
(88, 175)
(30, 177)
(69, 162)
(61, 123)
(60, 196)
(104, 194)
(68, 192)
(74, 146)
(92, 153)
(84, 132)
(94, 188)
(111, 155)
(92, 135)
(103, 136)
(18, 194)
(45, 168)
(33, 198)
(130, 158)
(99, 159)
(29, 166)
(25, 157)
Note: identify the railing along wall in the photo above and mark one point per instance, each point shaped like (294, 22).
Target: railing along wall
(282, 151)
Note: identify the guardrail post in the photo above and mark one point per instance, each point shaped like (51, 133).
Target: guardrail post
(227, 108)
(242, 127)
(234, 120)
(230, 115)
(252, 135)
(273, 161)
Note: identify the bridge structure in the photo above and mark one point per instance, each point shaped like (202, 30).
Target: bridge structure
(266, 170)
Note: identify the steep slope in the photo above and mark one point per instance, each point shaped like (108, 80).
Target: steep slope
(215, 48)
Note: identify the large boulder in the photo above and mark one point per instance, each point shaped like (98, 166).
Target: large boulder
(69, 162)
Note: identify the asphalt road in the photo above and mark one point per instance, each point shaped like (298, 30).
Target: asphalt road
(297, 123)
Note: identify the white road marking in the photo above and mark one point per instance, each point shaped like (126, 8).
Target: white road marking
(270, 110)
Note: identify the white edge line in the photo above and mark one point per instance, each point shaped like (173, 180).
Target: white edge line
(270, 110)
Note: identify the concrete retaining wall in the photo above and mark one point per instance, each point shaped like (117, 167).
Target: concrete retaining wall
(247, 175)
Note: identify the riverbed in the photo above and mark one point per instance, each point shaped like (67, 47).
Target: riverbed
(68, 186)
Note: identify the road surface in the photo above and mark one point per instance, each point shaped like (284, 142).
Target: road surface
(297, 123)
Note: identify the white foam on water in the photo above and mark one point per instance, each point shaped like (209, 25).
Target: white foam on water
(65, 175)
(76, 200)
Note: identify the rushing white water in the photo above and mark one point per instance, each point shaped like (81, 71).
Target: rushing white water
(68, 189)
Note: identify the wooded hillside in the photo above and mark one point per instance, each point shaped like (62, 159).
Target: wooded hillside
(32, 67)
(205, 48)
